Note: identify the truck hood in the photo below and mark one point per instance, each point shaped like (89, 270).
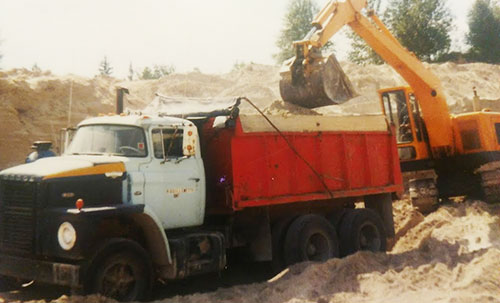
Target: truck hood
(67, 166)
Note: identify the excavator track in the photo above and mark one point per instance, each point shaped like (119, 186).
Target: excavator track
(490, 181)
(424, 193)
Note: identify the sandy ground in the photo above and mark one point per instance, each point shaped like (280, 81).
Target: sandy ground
(451, 255)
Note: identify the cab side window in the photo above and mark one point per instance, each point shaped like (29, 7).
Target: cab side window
(167, 142)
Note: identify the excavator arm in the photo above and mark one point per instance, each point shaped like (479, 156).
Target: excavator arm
(426, 86)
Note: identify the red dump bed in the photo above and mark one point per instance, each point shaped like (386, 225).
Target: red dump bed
(252, 165)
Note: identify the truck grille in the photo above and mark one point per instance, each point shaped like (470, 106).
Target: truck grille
(17, 215)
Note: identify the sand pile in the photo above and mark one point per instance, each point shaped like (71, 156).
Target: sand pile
(258, 82)
(452, 255)
(34, 106)
(457, 80)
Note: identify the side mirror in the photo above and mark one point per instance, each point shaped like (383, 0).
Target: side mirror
(220, 122)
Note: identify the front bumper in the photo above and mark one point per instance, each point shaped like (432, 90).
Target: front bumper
(43, 271)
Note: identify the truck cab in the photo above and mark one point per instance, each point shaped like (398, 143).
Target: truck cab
(132, 175)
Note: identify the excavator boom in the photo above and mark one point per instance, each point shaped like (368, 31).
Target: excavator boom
(426, 86)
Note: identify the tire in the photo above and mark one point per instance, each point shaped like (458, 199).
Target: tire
(336, 218)
(278, 234)
(362, 229)
(10, 283)
(310, 238)
(121, 271)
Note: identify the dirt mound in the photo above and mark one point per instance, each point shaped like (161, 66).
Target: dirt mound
(34, 105)
(285, 109)
(257, 82)
(452, 255)
(458, 81)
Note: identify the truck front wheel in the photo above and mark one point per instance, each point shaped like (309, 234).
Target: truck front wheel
(310, 238)
(122, 271)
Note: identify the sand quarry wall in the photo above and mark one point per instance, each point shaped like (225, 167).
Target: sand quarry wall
(34, 106)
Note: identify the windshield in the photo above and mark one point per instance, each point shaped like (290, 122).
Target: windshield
(397, 112)
(117, 140)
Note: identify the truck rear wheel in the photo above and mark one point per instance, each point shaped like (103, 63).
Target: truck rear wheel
(362, 229)
(122, 271)
(310, 238)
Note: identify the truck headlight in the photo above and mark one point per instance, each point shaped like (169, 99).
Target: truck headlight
(66, 235)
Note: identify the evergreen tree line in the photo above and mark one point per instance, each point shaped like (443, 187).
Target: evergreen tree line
(422, 26)
(147, 73)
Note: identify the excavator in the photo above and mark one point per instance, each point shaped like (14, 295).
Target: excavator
(444, 155)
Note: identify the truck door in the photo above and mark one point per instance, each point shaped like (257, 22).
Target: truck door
(174, 181)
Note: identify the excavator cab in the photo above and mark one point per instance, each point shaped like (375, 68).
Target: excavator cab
(401, 109)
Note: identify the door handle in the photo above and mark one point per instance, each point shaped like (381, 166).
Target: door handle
(195, 179)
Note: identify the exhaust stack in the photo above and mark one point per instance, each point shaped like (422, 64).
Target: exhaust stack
(120, 91)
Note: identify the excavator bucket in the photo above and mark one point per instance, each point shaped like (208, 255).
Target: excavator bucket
(323, 83)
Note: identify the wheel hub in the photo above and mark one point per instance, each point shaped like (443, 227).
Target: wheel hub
(369, 238)
(118, 282)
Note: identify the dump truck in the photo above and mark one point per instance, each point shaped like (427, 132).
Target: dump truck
(138, 198)
(442, 155)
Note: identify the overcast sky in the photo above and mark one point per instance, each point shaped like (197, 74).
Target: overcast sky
(68, 36)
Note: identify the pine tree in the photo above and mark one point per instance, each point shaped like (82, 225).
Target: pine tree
(105, 68)
(156, 72)
(36, 69)
(484, 31)
(130, 72)
(422, 26)
(162, 70)
(147, 74)
(297, 21)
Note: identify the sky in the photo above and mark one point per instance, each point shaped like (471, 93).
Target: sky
(69, 36)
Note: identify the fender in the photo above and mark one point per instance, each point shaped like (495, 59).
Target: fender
(86, 220)
(155, 236)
